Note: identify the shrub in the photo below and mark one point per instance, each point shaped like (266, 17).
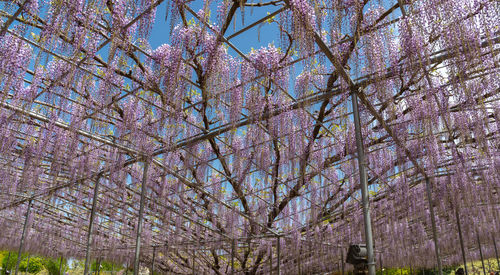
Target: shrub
(105, 266)
(52, 266)
(35, 265)
(9, 263)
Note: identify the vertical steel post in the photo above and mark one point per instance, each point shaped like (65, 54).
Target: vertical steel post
(433, 224)
(298, 261)
(232, 256)
(480, 252)
(153, 261)
(342, 259)
(428, 187)
(23, 235)
(98, 266)
(271, 260)
(194, 266)
(364, 186)
(141, 213)
(8, 260)
(381, 265)
(60, 264)
(460, 236)
(278, 251)
(91, 227)
(27, 265)
(496, 251)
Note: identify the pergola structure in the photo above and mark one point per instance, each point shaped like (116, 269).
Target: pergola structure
(198, 157)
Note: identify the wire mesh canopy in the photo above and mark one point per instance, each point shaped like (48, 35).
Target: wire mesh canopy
(238, 131)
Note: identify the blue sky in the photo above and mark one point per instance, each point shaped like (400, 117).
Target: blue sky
(266, 32)
(256, 37)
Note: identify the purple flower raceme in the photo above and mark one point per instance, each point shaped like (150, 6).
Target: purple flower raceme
(268, 137)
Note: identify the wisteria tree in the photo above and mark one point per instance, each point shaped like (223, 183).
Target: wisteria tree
(248, 159)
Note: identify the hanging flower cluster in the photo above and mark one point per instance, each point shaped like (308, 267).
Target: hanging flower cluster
(249, 150)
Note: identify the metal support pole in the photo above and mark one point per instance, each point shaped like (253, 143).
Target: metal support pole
(433, 224)
(496, 251)
(153, 261)
(278, 251)
(480, 252)
(232, 257)
(91, 227)
(271, 260)
(60, 265)
(428, 186)
(23, 236)
(298, 261)
(342, 259)
(364, 186)
(194, 266)
(460, 236)
(27, 265)
(98, 266)
(8, 260)
(381, 265)
(141, 212)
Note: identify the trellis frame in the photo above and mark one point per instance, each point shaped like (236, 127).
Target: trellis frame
(135, 155)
